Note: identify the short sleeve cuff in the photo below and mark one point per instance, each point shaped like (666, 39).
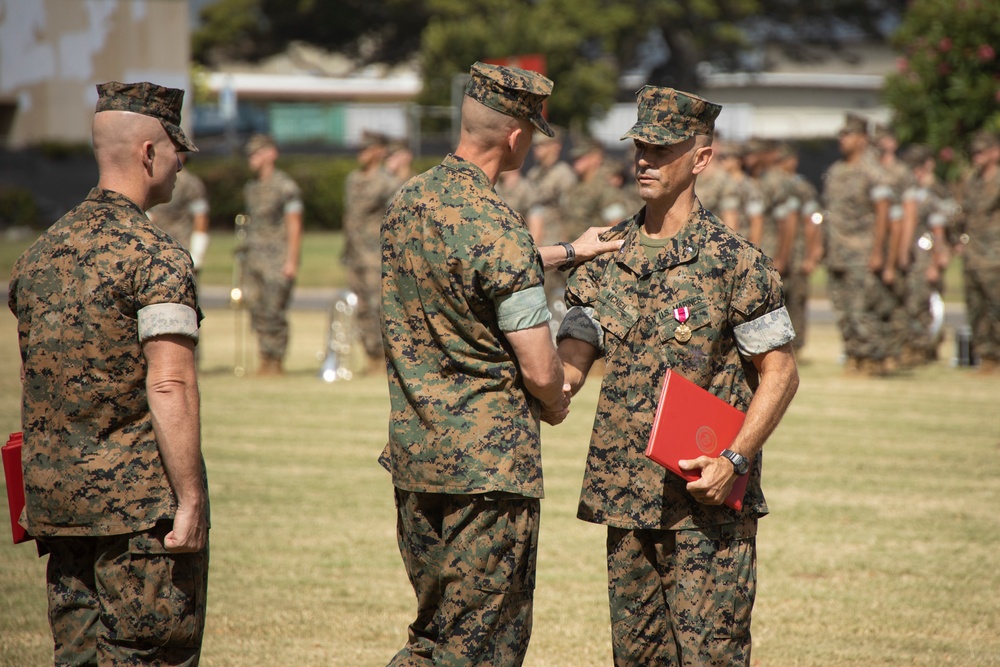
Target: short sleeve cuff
(766, 333)
(880, 192)
(755, 208)
(198, 206)
(523, 309)
(293, 206)
(161, 319)
(580, 324)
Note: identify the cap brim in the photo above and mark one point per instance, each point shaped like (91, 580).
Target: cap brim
(543, 126)
(177, 134)
(656, 136)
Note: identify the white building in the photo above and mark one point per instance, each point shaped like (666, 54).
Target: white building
(53, 53)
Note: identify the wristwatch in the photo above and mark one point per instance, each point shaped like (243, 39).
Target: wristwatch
(570, 256)
(740, 463)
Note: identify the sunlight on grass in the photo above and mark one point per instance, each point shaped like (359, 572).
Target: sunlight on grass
(879, 549)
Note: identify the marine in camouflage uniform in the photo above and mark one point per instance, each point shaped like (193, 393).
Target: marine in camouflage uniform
(725, 190)
(185, 216)
(896, 283)
(366, 194)
(856, 199)
(807, 246)
(274, 240)
(779, 209)
(550, 180)
(923, 255)
(684, 293)
(516, 190)
(463, 307)
(592, 200)
(980, 248)
(115, 485)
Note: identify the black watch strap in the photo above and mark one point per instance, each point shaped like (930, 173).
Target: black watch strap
(570, 256)
(740, 463)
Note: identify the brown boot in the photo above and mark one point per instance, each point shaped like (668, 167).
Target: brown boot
(988, 367)
(871, 368)
(852, 367)
(269, 367)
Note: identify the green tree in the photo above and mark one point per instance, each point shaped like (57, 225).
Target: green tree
(576, 37)
(587, 44)
(948, 81)
(373, 30)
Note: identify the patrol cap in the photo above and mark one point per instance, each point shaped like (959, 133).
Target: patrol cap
(667, 116)
(882, 130)
(583, 146)
(257, 142)
(786, 150)
(982, 140)
(371, 138)
(148, 99)
(511, 91)
(916, 155)
(854, 124)
(394, 145)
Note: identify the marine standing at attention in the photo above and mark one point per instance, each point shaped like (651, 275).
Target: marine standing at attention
(686, 293)
(107, 321)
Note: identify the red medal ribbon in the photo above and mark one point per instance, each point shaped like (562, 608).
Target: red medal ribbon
(682, 314)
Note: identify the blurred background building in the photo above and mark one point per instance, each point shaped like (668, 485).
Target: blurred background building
(54, 52)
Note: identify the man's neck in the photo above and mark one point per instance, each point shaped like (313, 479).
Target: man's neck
(265, 172)
(134, 192)
(667, 216)
(490, 161)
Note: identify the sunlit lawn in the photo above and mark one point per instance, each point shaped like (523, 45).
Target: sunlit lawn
(880, 548)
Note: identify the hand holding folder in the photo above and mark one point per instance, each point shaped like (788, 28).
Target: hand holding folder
(691, 422)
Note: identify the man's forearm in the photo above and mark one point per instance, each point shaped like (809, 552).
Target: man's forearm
(174, 403)
(779, 380)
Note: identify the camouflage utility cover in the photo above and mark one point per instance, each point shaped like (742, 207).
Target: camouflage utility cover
(147, 99)
(461, 420)
(91, 463)
(512, 91)
(727, 284)
(667, 116)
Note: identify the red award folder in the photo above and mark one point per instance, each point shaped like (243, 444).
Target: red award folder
(14, 477)
(691, 422)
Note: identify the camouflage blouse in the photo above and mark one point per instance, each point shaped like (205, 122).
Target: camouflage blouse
(91, 463)
(849, 195)
(267, 203)
(461, 419)
(734, 310)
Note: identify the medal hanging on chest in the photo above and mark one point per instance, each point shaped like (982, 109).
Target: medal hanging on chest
(682, 332)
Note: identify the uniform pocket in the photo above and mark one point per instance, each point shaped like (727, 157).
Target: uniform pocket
(161, 595)
(617, 317)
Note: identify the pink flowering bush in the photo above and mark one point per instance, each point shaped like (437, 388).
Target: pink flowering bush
(947, 80)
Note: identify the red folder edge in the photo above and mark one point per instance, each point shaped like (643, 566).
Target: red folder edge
(670, 459)
(14, 476)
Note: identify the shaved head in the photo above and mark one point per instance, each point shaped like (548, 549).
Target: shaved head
(119, 134)
(485, 126)
(135, 156)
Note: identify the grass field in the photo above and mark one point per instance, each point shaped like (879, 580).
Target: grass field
(880, 549)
